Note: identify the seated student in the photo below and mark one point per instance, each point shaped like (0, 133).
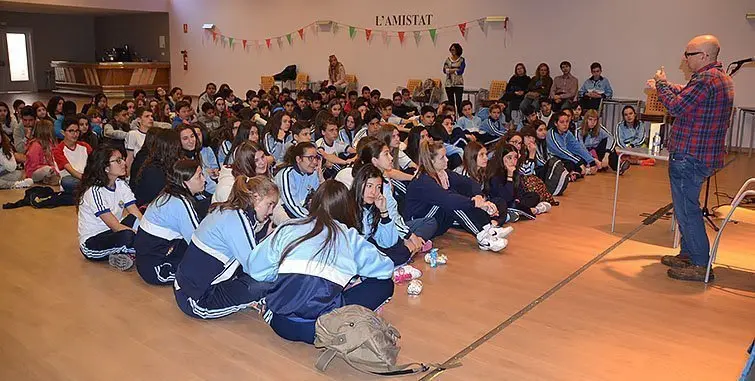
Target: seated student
(385, 107)
(175, 95)
(226, 136)
(312, 260)
(474, 163)
(86, 134)
(470, 123)
(209, 116)
(168, 224)
(214, 279)
(374, 99)
(484, 112)
(116, 130)
(453, 138)
(372, 126)
(417, 135)
(71, 156)
(299, 177)
(10, 177)
(7, 121)
(546, 111)
(406, 96)
(389, 134)
(450, 197)
(248, 160)
(23, 132)
(505, 186)
(400, 109)
(513, 96)
(130, 108)
(279, 135)
(135, 138)
(107, 210)
(366, 92)
(40, 163)
(262, 116)
(529, 116)
(493, 122)
(596, 138)
(288, 106)
(595, 88)
(207, 96)
(563, 144)
(547, 167)
(529, 180)
(68, 109)
(300, 132)
(317, 101)
(150, 179)
(336, 153)
(207, 157)
(183, 114)
(147, 148)
(302, 110)
(630, 132)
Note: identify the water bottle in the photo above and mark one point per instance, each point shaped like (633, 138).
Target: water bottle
(434, 257)
(656, 145)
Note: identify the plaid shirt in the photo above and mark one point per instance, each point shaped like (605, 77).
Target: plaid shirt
(702, 110)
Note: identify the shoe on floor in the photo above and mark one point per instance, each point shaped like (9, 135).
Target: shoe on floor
(498, 231)
(647, 162)
(406, 273)
(489, 243)
(512, 216)
(543, 207)
(625, 165)
(25, 183)
(690, 273)
(522, 214)
(121, 261)
(676, 260)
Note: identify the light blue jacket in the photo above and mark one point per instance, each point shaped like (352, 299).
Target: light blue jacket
(469, 124)
(385, 235)
(295, 187)
(277, 148)
(601, 85)
(567, 147)
(628, 136)
(209, 161)
(170, 218)
(591, 142)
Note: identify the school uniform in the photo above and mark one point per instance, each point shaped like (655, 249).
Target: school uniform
(295, 188)
(338, 148)
(223, 151)
(209, 162)
(96, 240)
(385, 236)
(76, 157)
(210, 282)
(426, 198)
(275, 147)
(306, 286)
(508, 195)
(630, 136)
(602, 143)
(566, 147)
(347, 137)
(134, 141)
(359, 135)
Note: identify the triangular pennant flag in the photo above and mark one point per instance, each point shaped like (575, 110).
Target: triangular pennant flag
(243, 43)
(301, 33)
(433, 34)
(463, 29)
(368, 33)
(401, 37)
(352, 31)
(214, 36)
(417, 36)
(267, 41)
(288, 37)
(222, 39)
(280, 41)
(481, 23)
(230, 41)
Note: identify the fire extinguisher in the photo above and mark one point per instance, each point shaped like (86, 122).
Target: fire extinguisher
(186, 59)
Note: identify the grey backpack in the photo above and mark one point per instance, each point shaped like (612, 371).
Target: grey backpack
(362, 339)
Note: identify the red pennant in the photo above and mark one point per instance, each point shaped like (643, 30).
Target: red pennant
(368, 33)
(301, 33)
(267, 41)
(401, 37)
(214, 36)
(243, 43)
(463, 29)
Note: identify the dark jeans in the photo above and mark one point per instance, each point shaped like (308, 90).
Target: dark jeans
(686, 175)
(454, 95)
(69, 184)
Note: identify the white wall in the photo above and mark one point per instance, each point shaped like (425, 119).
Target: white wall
(118, 5)
(630, 39)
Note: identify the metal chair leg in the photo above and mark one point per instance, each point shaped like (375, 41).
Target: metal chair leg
(716, 241)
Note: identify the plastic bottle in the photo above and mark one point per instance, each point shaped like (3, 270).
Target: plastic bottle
(656, 147)
(434, 257)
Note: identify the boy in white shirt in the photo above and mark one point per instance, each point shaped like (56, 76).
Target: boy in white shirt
(337, 154)
(135, 138)
(71, 156)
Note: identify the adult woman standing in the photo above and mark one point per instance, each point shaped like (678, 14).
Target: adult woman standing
(454, 69)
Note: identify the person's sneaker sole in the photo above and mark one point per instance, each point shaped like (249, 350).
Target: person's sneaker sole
(625, 165)
(121, 261)
(675, 261)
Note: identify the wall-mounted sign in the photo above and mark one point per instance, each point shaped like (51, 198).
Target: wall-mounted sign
(404, 20)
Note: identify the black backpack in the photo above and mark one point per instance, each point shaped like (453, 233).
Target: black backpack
(556, 176)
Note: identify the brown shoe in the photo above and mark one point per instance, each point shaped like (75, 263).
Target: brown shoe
(676, 260)
(691, 273)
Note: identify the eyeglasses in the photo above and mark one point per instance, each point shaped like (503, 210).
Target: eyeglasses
(76, 131)
(117, 161)
(312, 157)
(690, 54)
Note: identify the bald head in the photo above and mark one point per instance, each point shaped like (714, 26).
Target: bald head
(707, 44)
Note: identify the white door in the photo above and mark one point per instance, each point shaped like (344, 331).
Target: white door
(16, 68)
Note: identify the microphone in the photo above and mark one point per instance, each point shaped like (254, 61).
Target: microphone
(743, 61)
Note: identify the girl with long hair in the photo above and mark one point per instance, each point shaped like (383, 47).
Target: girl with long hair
(247, 131)
(86, 134)
(311, 261)
(104, 111)
(563, 144)
(10, 177)
(40, 164)
(504, 185)
(168, 224)
(215, 278)
(207, 157)
(107, 210)
(516, 87)
(596, 138)
(538, 88)
(8, 122)
(278, 135)
(225, 136)
(40, 111)
(207, 96)
(55, 107)
(474, 163)
(351, 124)
(150, 179)
(417, 135)
(249, 160)
(450, 197)
(526, 166)
(300, 176)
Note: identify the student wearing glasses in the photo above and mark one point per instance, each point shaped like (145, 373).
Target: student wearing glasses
(71, 155)
(299, 178)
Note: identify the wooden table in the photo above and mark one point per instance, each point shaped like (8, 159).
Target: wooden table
(115, 79)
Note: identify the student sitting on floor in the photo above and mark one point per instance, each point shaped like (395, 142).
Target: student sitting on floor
(312, 261)
(300, 132)
(548, 168)
(504, 185)
(336, 153)
(454, 140)
(563, 144)
(10, 177)
(209, 161)
(470, 124)
(474, 163)
(135, 138)
(249, 160)
(209, 116)
(213, 279)
(246, 131)
(40, 164)
(105, 231)
(417, 135)
(86, 134)
(278, 136)
(438, 193)
(527, 164)
(299, 178)
(596, 138)
(71, 156)
(493, 124)
(385, 107)
(630, 133)
(529, 116)
(150, 179)
(371, 128)
(168, 224)
(351, 123)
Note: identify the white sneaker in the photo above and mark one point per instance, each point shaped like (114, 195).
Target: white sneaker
(489, 243)
(25, 183)
(500, 232)
(543, 207)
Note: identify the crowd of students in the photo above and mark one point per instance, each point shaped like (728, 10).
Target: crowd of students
(298, 203)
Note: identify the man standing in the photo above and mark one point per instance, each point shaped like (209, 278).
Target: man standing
(696, 144)
(564, 88)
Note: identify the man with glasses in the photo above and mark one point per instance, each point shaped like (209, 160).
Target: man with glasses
(696, 147)
(71, 155)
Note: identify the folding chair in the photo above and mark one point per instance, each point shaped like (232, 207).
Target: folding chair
(743, 192)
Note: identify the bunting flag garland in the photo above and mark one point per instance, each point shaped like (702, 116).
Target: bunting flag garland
(336, 26)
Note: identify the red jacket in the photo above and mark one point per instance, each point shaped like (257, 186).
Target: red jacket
(37, 158)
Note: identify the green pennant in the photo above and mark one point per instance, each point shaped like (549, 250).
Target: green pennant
(230, 41)
(352, 31)
(288, 37)
(433, 34)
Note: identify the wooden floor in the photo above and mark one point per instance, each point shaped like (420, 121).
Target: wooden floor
(64, 318)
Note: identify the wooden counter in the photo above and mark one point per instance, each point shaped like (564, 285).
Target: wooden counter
(115, 79)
